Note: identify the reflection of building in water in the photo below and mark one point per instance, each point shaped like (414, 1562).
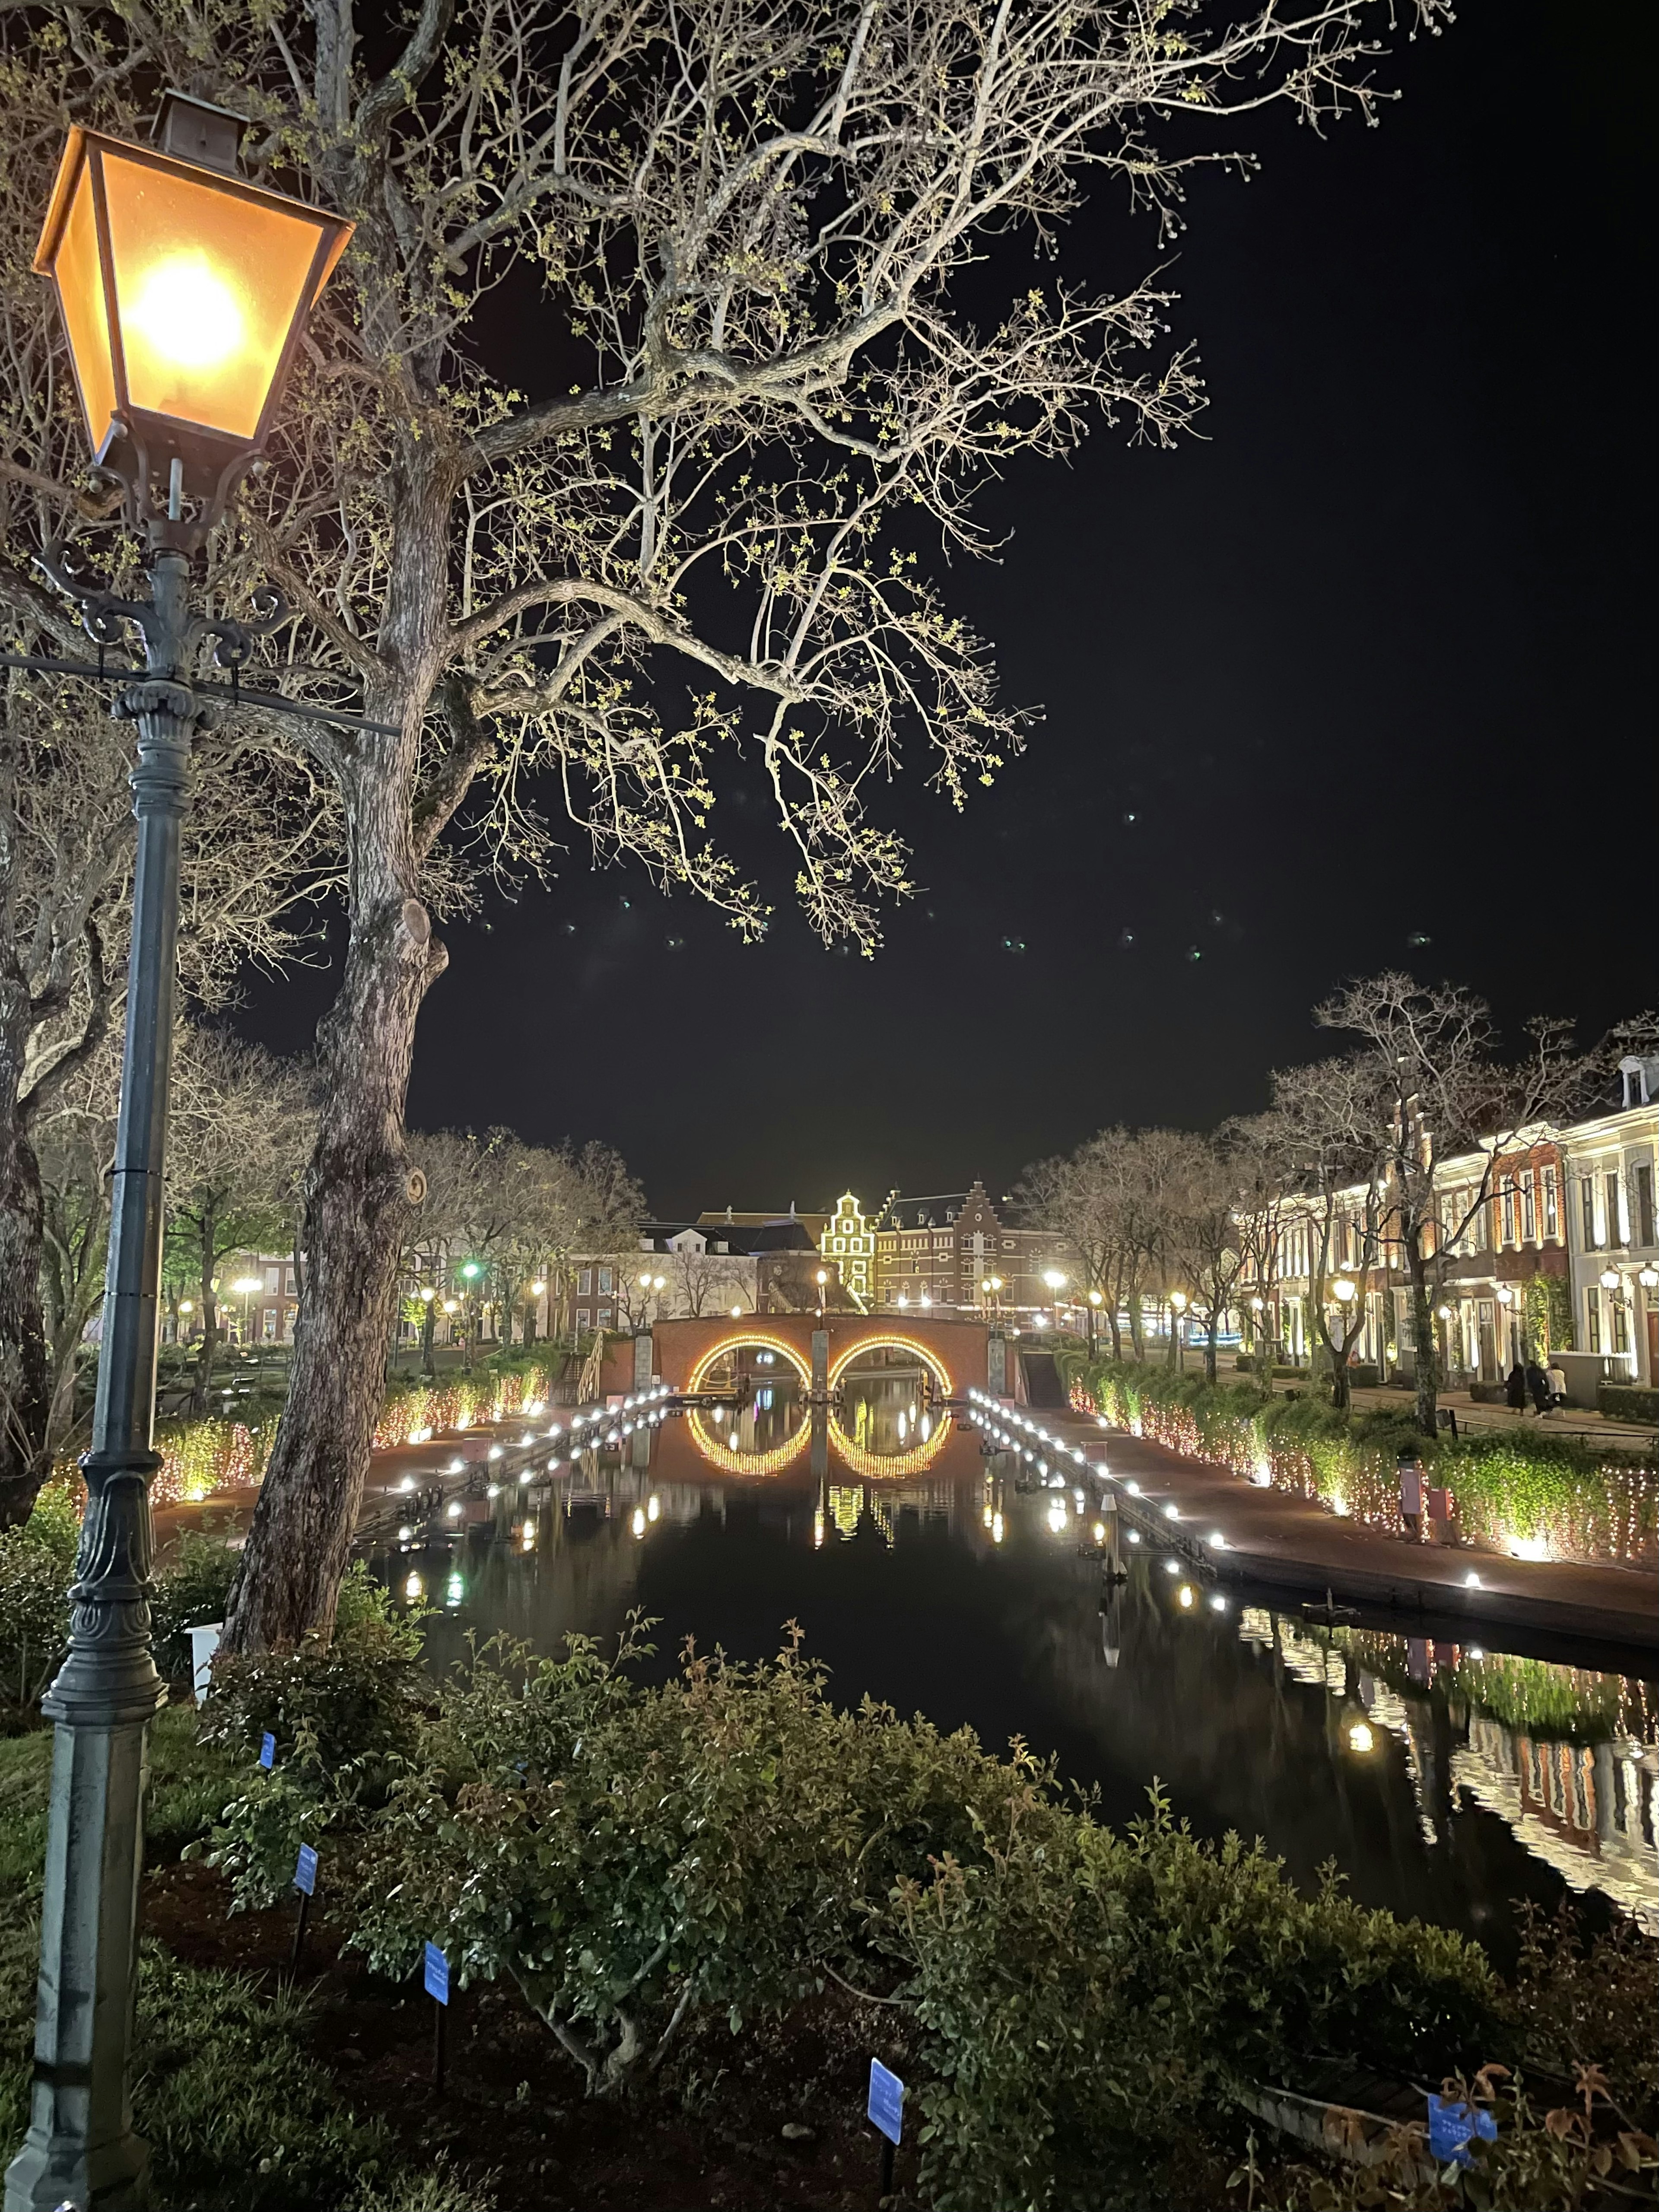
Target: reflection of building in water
(1586, 1809)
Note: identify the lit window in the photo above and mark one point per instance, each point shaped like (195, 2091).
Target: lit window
(1552, 1205)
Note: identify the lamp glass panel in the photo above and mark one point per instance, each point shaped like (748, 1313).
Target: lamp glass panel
(79, 275)
(207, 286)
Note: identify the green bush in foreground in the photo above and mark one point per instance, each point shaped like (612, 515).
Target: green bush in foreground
(638, 1859)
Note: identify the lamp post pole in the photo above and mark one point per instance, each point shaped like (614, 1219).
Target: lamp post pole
(80, 2144)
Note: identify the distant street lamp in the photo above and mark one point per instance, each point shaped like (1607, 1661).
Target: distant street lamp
(245, 1286)
(184, 293)
(1056, 1283)
(1096, 1302)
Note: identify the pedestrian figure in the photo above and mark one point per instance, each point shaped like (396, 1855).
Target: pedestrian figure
(1557, 1382)
(1539, 1384)
(1515, 1388)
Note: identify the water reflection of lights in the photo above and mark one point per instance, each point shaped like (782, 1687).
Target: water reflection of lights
(636, 1520)
(414, 1589)
(731, 1460)
(1057, 1519)
(1184, 1596)
(889, 1466)
(996, 1527)
(454, 1590)
(1585, 1808)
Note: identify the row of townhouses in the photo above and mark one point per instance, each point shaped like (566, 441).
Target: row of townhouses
(1560, 1257)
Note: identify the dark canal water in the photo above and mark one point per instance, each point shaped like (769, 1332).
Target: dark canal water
(1446, 1782)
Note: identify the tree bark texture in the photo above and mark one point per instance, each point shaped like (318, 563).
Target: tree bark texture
(359, 1193)
(1424, 1346)
(25, 1371)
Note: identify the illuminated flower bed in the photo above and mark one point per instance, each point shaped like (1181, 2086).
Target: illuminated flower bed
(1537, 1497)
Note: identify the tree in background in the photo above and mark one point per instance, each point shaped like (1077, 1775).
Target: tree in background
(1436, 1088)
(239, 1131)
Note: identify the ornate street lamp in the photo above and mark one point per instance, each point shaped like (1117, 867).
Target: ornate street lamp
(184, 292)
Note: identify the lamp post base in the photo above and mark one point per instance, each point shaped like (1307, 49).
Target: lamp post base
(80, 2148)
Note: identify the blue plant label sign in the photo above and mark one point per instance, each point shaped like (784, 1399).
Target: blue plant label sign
(1452, 2123)
(437, 1975)
(304, 1871)
(267, 1750)
(885, 2110)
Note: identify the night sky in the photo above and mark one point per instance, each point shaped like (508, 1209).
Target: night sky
(1364, 666)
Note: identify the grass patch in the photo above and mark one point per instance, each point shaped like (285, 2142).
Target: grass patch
(239, 2114)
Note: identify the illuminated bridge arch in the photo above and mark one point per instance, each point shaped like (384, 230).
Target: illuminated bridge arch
(892, 1341)
(739, 1340)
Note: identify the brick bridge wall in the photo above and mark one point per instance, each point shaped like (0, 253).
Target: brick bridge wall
(956, 1350)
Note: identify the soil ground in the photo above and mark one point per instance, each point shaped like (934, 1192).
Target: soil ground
(512, 2112)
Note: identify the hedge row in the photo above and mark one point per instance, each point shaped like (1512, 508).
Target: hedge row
(201, 1458)
(1515, 1491)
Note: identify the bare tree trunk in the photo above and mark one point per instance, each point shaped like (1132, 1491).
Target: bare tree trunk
(25, 1376)
(208, 1233)
(1137, 1322)
(357, 1204)
(1209, 1349)
(428, 1333)
(1425, 1347)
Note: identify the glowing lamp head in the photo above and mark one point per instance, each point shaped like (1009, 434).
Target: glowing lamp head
(245, 1286)
(1095, 1298)
(184, 292)
(427, 1294)
(1053, 1278)
(1648, 1279)
(1178, 1300)
(1609, 1279)
(823, 1274)
(1343, 1292)
(186, 1305)
(536, 1289)
(471, 1270)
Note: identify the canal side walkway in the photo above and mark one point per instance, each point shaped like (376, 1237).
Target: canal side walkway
(1274, 1538)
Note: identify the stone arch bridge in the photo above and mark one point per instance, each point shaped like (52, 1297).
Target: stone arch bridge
(960, 1355)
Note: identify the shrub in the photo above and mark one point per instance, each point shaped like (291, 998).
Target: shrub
(1626, 1402)
(190, 1589)
(346, 1714)
(1089, 1998)
(36, 1566)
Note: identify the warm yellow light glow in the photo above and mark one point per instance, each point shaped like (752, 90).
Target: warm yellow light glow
(823, 1274)
(535, 1288)
(186, 1305)
(1095, 1298)
(428, 1294)
(245, 1286)
(1184, 1594)
(637, 1522)
(1053, 1278)
(187, 312)
(1344, 1292)
(414, 1587)
(1178, 1300)
(1360, 1737)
